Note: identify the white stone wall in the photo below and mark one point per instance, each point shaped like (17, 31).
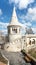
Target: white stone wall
(13, 37)
(16, 46)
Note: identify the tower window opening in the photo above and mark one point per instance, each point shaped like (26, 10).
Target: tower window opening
(14, 30)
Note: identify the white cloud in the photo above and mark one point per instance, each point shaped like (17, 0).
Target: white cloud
(34, 29)
(32, 10)
(4, 31)
(3, 27)
(24, 3)
(29, 18)
(21, 3)
(31, 14)
(26, 25)
(16, 1)
(1, 12)
(11, 1)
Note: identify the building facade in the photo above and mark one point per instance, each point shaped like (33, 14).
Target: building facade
(17, 42)
(14, 34)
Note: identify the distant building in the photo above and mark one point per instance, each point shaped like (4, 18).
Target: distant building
(29, 31)
(1, 40)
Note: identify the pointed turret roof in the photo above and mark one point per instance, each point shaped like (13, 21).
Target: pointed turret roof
(14, 19)
(14, 16)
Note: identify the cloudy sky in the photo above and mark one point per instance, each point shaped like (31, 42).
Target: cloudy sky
(26, 13)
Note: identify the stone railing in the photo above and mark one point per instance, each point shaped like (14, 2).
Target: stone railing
(5, 59)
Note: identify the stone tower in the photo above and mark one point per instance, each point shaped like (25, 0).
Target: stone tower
(14, 27)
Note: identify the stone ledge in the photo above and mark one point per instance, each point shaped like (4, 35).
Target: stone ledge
(3, 60)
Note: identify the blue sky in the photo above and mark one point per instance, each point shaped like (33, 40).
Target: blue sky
(26, 13)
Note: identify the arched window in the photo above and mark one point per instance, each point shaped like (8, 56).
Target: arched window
(30, 42)
(33, 41)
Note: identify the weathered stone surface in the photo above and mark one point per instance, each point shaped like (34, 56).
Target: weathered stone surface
(15, 58)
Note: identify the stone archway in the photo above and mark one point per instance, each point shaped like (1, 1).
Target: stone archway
(33, 42)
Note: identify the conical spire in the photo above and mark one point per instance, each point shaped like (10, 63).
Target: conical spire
(14, 16)
(14, 19)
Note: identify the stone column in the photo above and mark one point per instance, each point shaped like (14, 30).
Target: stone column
(11, 30)
(18, 30)
(28, 41)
